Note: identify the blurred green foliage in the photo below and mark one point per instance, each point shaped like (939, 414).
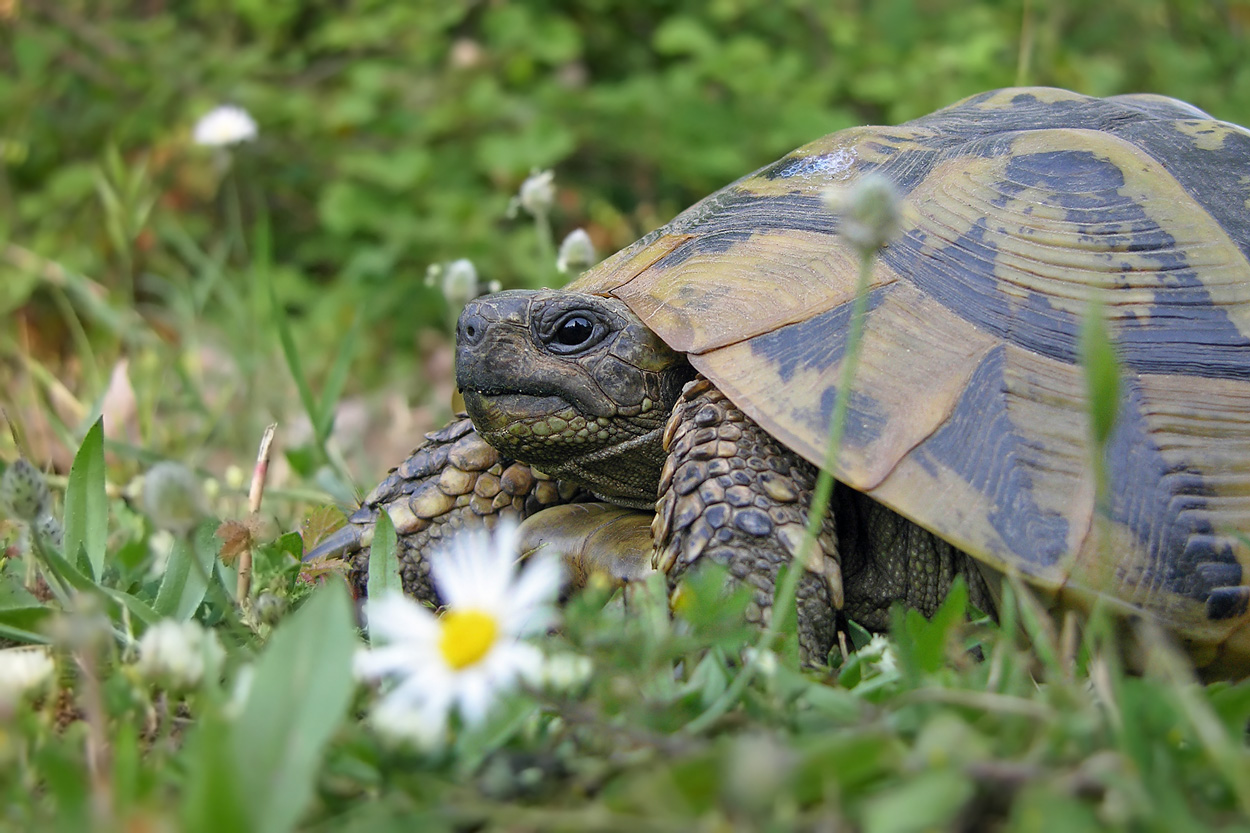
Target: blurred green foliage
(392, 135)
(218, 282)
(242, 285)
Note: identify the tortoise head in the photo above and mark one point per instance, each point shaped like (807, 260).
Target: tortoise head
(571, 383)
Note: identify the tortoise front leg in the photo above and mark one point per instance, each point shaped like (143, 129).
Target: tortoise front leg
(731, 493)
(453, 481)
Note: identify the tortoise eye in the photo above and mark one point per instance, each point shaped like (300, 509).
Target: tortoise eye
(574, 330)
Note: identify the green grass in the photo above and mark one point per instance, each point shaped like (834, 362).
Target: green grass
(191, 304)
(950, 723)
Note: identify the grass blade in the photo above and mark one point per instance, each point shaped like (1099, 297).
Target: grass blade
(384, 559)
(86, 504)
(337, 378)
(188, 571)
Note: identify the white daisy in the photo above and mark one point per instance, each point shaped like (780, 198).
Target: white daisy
(225, 125)
(463, 659)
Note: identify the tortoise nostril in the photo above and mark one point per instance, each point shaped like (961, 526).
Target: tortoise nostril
(471, 328)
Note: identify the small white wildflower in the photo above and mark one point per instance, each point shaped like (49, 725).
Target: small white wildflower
(537, 194)
(176, 655)
(464, 659)
(563, 672)
(765, 661)
(23, 671)
(460, 284)
(403, 726)
(173, 497)
(869, 209)
(225, 125)
(577, 252)
(879, 653)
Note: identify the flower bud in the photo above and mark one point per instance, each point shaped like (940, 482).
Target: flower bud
(460, 284)
(173, 497)
(268, 608)
(176, 655)
(577, 252)
(22, 671)
(869, 209)
(50, 528)
(538, 193)
(562, 672)
(23, 492)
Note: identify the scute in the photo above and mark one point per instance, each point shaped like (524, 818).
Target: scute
(968, 412)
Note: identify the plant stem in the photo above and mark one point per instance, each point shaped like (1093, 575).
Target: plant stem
(254, 496)
(821, 495)
(784, 599)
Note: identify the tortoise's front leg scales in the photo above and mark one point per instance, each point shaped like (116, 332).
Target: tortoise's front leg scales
(731, 493)
(452, 481)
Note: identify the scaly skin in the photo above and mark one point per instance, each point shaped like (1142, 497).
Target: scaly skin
(454, 480)
(611, 417)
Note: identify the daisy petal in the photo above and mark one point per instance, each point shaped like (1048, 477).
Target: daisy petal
(467, 658)
(397, 618)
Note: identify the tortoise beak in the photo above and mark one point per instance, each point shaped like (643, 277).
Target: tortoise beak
(492, 336)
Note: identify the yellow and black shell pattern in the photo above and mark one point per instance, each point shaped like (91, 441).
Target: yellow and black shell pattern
(968, 411)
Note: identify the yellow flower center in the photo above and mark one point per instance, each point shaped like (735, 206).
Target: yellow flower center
(467, 636)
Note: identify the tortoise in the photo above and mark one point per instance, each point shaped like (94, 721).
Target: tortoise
(675, 400)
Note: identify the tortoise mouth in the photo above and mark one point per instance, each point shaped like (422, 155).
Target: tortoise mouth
(494, 410)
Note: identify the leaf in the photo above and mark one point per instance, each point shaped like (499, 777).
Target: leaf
(332, 387)
(1040, 809)
(928, 801)
(86, 504)
(851, 760)
(213, 798)
(319, 524)
(187, 574)
(127, 766)
(140, 609)
(61, 565)
(1232, 703)
(64, 782)
(922, 642)
(300, 692)
(236, 536)
(25, 619)
(383, 559)
(23, 625)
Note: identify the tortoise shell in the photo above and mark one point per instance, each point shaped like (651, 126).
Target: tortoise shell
(968, 413)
